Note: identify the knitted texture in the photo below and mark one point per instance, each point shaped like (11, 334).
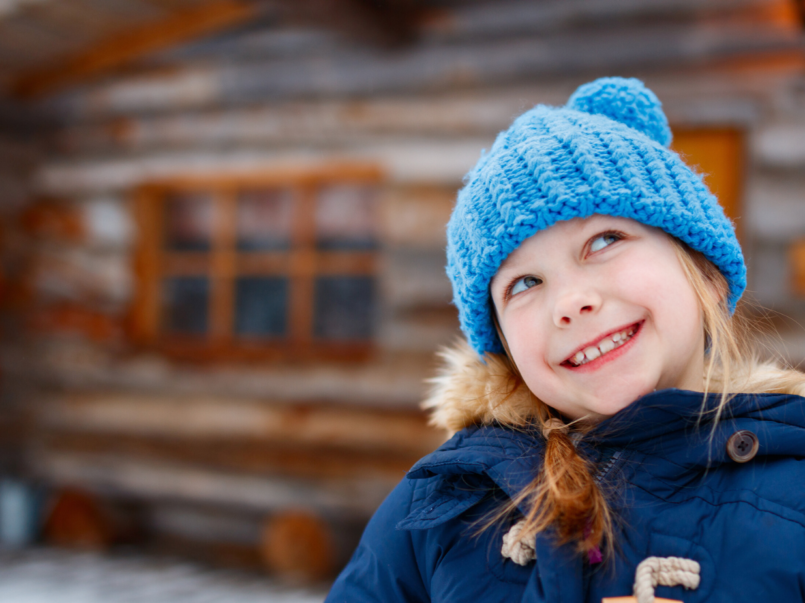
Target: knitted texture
(605, 152)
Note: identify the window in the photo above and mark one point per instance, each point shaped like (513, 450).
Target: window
(282, 265)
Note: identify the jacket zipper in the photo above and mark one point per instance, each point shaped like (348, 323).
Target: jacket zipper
(607, 467)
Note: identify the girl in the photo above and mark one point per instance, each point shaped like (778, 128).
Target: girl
(600, 448)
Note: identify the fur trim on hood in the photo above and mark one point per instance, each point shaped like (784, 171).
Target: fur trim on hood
(470, 391)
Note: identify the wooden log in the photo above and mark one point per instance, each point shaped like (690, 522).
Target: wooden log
(774, 205)
(509, 58)
(414, 278)
(15, 436)
(75, 319)
(393, 381)
(76, 519)
(506, 18)
(298, 545)
(389, 24)
(416, 217)
(202, 523)
(126, 46)
(185, 417)
(237, 455)
(18, 152)
(52, 220)
(326, 121)
(15, 189)
(108, 223)
(94, 277)
(421, 161)
(220, 553)
(302, 546)
(771, 274)
(780, 145)
(420, 328)
(162, 481)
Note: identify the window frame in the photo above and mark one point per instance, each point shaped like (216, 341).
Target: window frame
(302, 263)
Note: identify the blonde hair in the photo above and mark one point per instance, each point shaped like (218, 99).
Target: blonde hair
(564, 496)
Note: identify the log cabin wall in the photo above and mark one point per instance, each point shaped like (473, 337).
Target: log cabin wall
(213, 446)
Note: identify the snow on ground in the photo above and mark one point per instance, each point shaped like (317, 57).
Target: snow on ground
(43, 575)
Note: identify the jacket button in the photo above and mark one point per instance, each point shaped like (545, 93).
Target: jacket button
(742, 446)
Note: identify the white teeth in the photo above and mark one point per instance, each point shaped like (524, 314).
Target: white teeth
(592, 353)
(604, 347)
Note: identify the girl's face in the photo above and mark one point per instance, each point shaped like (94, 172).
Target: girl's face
(598, 312)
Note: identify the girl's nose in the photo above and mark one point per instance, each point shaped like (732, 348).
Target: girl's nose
(573, 305)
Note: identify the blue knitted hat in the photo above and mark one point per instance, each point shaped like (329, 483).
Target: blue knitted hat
(605, 152)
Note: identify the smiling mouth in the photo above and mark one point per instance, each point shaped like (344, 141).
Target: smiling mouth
(603, 346)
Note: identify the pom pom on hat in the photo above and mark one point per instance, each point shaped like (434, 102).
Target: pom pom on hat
(606, 153)
(624, 100)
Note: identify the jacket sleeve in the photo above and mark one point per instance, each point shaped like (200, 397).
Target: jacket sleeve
(384, 567)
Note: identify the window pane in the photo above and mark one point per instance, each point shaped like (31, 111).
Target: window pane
(345, 217)
(185, 303)
(188, 222)
(264, 219)
(344, 307)
(261, 306)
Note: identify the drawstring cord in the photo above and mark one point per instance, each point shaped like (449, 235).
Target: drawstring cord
(665, 571)
(519, 548)
(651, 572)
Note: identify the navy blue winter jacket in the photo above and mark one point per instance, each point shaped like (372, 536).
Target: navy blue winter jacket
(674, 488)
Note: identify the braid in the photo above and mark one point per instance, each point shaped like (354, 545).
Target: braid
(564, 495)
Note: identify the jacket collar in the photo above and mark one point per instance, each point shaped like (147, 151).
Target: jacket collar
(666, 427)
(685, 429)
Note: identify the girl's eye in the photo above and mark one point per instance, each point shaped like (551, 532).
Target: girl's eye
(604, 240)
(521, 284)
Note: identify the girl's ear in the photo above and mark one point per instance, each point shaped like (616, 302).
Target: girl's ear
(717, 285)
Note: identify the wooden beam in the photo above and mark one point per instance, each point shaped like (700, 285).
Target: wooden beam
(159, 480)
(395, 432)
(386, 23)
(244, 456)
(127, 46)
(800, 8)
